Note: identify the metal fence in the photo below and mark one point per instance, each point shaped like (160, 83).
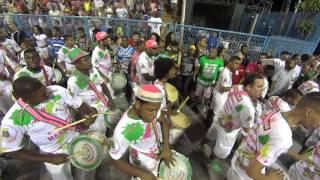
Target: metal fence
(189, 34)
(282, 24)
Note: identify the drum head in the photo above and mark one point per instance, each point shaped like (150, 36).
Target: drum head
(180, 171)
(86, 153)
(58, 75)
(172, 92)
(118, 81)
(180, 121)
(102, 140)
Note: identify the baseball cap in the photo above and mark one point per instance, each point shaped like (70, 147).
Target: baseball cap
(151, 44)
(101, 36)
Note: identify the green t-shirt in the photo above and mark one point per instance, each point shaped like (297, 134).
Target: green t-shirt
(209, 70)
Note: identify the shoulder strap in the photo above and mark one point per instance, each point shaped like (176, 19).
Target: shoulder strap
(46, 76)
(42, 116)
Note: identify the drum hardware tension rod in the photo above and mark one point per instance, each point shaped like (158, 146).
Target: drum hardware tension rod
(77, 122)
(183, 103)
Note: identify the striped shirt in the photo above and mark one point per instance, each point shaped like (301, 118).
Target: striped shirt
(124, 56)
(54, 45)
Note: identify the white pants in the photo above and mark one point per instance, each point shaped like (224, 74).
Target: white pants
(225, 141)
(6, 102)
(212, 132)
(59, 172)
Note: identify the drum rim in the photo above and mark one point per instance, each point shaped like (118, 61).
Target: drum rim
(186, 161)
(97, 146)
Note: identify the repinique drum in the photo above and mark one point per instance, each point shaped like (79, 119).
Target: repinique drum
(172, 92)
(88, 150)
(118, 81)
(180, 171)
(180, 121)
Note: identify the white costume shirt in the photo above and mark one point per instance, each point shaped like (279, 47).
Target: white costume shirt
(276, 104)
(101, 60)
(145, 65)
(18, 122)
(38, 75)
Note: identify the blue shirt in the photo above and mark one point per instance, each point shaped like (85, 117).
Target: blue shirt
(54, 46)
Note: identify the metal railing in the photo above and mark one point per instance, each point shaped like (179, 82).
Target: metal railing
(189, 34)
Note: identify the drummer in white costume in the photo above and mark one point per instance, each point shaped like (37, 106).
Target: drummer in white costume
(64, 62)
(139, 131)
(237, 114)
(101, 58)
(87, 83)
(50, 106)
(285, 103)
(224, 84)
(33, 69)
(269, 138)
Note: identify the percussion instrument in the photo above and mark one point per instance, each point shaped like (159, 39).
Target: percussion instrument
(88, 150)
(118, 81)
(181, 170)
(172, 92)
(58, 75)
(180, 121)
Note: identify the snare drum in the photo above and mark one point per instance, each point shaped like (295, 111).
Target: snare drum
(180, 171)
(118, 81)
(88, 150)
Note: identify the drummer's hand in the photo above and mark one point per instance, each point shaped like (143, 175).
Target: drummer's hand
(58, 159)
(148, 176)
(166, 155)
(275, 174)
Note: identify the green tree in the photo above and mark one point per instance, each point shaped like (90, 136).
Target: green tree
(310, 8)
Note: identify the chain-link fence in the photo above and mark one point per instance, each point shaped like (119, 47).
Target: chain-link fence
(185, 34)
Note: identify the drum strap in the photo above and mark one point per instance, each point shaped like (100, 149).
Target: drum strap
(46, 76)
(98, 93)
(42, 116)
(154, 127)
(9, 54)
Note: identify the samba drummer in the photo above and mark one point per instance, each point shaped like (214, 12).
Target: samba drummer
(33, 69)
(86, 82)
(141, 132)
(270, 137)
(39, 110)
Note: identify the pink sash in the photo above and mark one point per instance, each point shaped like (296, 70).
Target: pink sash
(100, 96)
(46, 76)
(42, 116)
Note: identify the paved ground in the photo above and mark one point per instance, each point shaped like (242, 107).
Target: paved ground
(188, 145)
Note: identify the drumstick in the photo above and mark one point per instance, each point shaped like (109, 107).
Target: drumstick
(77, 122)
(183, 103)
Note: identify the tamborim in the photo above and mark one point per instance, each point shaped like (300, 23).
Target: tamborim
(118, 81)
(180, 121)
(57, 75)
(180, 171)
(86, 153)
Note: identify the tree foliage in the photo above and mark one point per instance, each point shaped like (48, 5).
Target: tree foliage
(309, 6)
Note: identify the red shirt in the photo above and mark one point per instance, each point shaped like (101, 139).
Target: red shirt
(238, 75)
(253, 67)
(134, 59)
